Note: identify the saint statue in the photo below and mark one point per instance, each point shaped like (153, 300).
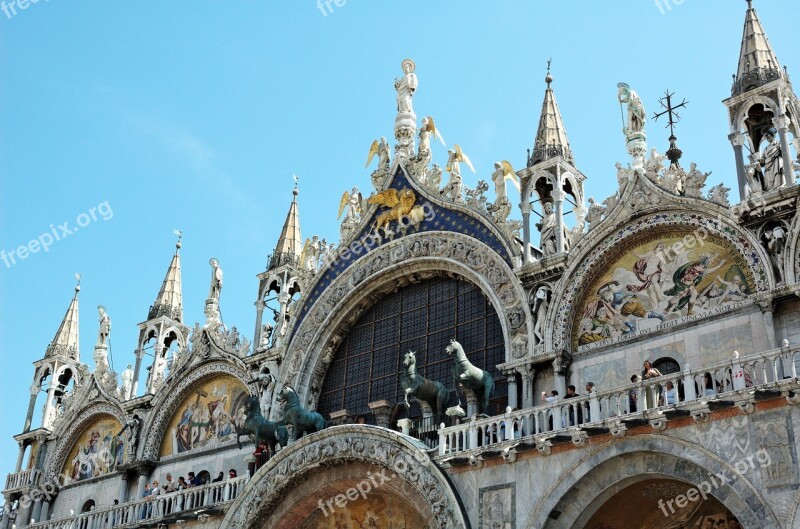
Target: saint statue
(127, 382)
(547, 227)
(216, 280)
(406, 87)
(772, 162)
(636, 113)
(105, 326)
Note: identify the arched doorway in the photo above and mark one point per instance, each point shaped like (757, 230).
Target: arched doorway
(348, 476)
(656, 503)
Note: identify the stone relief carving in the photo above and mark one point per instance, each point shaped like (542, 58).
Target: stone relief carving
(773, 436)
(409, 463)
(497, 507)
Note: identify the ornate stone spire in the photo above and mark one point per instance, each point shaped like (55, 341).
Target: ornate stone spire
(290, 244)
(551, 137)
(66, 341)
(758, 64)
(169, 301)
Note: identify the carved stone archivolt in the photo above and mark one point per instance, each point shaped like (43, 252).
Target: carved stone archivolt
(380, 270)
(645, 457)
(586, 263)
(404, 459)
(74, 428)
(170, 397)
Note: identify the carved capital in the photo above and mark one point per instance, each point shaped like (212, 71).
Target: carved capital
(736, 139)
(700, 416)
(544, 447)
(747, 407)
(781, 122)
(579, 438)
(619, 430)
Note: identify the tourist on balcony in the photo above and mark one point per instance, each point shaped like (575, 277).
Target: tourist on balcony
(708, 383)
(169, 486)
(571, 395)
(633, 395)
(551, 399)
(652, 392)
(219, 478)
(589, 389)
(194, 481)
(670, 394)
(182, 485)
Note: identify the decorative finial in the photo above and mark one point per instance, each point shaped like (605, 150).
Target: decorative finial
(78, 285)
(673, 153)
(179, 233)
(749, 4)
(296, 191)
(548, 78)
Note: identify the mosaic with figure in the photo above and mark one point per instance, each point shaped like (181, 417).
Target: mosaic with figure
(207, 417)
(97, 452)
(658, 282)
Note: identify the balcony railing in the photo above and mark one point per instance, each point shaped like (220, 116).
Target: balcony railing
(152, 509)
(648, 399)
(26, 478)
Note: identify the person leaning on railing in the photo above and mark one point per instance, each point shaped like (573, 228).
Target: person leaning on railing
(648, 372)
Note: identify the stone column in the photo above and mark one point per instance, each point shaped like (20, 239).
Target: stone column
(382, 411)
(48, 405)
(472, 402)
(135, 385)
(45, 510)
(40, 440)
(782, 124)
(31, 409)
(259, 321)
(737, 140)
(558, 202)
(140, 484)
(528, 373)
(769, 325)
(511, 377)
(20, 456)
(525, 207)
(559, 372)
(36, 512)
(122, 496)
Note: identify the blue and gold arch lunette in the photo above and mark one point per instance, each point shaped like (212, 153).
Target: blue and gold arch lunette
(439, 218)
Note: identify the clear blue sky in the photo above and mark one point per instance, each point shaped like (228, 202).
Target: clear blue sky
(196, 115)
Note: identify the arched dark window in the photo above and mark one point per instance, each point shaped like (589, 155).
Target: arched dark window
(204, 476)
(87, 506)
(422, 317)
(667, 365)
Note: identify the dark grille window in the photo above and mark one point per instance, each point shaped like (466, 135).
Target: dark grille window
(422, 317)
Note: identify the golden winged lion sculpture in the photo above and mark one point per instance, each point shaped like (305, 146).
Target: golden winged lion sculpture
(401, 203)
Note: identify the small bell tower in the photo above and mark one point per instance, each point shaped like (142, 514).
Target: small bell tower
(163, 335)
(764, 111)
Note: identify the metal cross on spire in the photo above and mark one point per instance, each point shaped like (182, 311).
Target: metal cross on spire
(670, 110)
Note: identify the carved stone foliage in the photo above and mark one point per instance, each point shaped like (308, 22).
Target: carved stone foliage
(577, 279)
(343, 445)
(74, 427)
(171, 395)
(445, 251)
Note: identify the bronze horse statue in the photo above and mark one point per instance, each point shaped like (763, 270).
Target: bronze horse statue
(303, 421)
(469, 376)
(430, 391)
(256, 424)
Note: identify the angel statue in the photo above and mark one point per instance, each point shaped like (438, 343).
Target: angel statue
(216, 280)
(503, 171)
(381, 148)
(406, 87)
(454, 185)
(427, 130)
(355, 205)
(309, 257)
(636, 112)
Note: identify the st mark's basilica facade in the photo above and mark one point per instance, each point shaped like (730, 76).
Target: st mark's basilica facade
(623, 362)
